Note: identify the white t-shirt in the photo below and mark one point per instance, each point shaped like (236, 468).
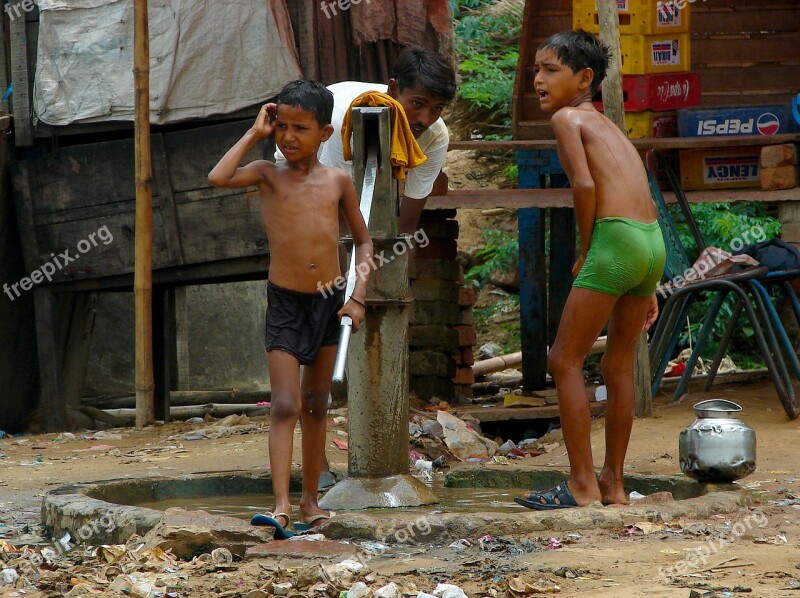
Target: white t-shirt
(433, 142)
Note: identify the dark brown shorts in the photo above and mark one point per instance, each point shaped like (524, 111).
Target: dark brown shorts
(300, 323)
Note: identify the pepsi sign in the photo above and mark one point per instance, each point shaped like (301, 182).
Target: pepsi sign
(733, 120)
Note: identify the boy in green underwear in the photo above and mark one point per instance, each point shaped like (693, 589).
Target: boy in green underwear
(621, 262)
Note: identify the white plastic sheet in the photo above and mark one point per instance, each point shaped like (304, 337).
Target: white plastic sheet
(207, 57)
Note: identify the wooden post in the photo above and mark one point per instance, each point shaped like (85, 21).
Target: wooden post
(614, 109)
(143, 274)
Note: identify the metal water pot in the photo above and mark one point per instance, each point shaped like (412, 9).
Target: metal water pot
(717, 447)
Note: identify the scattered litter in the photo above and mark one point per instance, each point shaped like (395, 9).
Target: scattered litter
(446, 590)
(221, 556)
(554, 544)
(8, 577)
(359, 590)
(776, 540)
(635, 496)
(647, 528)
(340, 444)
(460, 545)
(601, 394)
(463, 442)
(424, 469)
(507, 447)
(390, 590)
(195, 420)
(794, 584)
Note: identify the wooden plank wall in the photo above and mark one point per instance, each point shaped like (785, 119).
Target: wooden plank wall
(65, 196)
(747, 52)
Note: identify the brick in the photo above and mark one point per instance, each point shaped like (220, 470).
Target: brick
(439, 229)
(791, 233)
(467, 296)
(434, 289)
(436, 312)
(789, 211)
(461, 280)
(431, 363)
(434, 336)
(779, 155)
(466, 356)
(438, 249)
(427, 387)
(467, 318)
(464, 375)
(467, 337)
(446, 269)
(464, 391)
(782, 177)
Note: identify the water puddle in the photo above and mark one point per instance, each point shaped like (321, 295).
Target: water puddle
(451, 500)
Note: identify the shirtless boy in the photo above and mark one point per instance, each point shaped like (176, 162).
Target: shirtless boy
(301, 200)
(621, 262)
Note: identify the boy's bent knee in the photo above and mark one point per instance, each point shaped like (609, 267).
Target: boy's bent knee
(283, 409)
(315, 404)
(612, 366)
(560, 365)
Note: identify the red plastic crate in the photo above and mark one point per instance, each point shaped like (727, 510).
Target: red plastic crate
(659, 93)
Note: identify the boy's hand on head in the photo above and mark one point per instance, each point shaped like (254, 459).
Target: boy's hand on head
(578, 266)
(355, 311)
(652, 313)
(264, 126)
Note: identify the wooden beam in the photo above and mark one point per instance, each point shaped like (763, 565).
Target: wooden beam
(143, 278)
(613, 108)
(664, 143)
(20, 100)
(496, 414)
(516, 199)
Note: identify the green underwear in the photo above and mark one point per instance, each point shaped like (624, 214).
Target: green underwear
(625, 257)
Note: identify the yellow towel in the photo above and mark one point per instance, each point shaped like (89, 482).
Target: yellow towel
(405, 151)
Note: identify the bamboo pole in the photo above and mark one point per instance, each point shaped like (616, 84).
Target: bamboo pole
(143, 275)
(614, 109)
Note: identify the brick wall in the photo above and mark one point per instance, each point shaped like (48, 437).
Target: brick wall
(441, 333)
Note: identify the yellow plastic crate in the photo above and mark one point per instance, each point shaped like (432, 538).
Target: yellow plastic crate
(651, 124)
(636, 17)
(720, 168)
(646, 54)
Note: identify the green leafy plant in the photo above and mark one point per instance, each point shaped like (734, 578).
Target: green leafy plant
(487, 46)
(499, 253)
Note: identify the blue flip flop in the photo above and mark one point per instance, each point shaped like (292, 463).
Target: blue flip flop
(269, 519)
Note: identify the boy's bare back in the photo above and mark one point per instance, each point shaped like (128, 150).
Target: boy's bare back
(597, 147)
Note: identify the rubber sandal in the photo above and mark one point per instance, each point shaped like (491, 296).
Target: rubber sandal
(270, 520)
(556, 498)
(312, 522)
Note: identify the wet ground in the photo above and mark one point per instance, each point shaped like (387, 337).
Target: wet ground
(754, 550)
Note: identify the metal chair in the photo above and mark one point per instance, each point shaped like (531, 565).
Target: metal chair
(772, 279)
(680, 296)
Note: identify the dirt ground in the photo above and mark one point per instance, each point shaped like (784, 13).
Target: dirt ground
(623, 562)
